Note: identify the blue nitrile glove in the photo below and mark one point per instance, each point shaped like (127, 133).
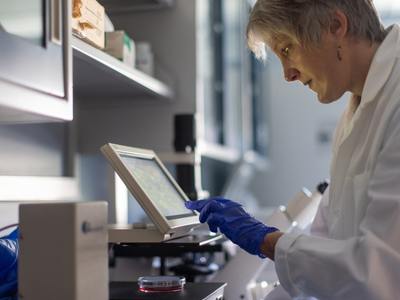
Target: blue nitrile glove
(9, 265)
(233, 221)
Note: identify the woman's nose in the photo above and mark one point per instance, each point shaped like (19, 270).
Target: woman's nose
(292, 74)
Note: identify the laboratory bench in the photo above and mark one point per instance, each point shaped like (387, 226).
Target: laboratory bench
(170, 248)
(191, 291)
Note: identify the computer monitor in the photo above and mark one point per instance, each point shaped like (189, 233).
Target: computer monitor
(153, 187)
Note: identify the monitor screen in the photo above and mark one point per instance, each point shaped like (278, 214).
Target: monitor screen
(157, 186)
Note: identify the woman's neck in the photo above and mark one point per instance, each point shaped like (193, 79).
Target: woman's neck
(362, 55)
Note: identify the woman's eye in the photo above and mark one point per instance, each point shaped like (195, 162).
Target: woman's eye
(285, 51)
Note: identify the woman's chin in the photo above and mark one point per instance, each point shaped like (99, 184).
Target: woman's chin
(325, 98)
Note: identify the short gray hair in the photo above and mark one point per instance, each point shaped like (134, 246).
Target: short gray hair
(304, 21)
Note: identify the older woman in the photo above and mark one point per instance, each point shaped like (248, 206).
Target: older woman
(353, 251)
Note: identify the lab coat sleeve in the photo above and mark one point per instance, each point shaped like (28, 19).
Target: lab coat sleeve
(366, 266)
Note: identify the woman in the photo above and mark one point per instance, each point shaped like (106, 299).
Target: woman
(353, 251)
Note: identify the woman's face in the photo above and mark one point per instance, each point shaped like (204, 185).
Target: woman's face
(316, 67)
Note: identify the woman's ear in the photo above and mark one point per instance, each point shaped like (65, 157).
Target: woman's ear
(339, 24)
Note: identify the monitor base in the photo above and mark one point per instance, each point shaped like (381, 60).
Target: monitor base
(132, 234)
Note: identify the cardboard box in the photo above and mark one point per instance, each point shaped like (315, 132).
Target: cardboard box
(88, 21)
(121, 46)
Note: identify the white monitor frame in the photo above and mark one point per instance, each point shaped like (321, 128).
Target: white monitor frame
(174, 227)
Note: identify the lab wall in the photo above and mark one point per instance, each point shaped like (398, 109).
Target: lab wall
(29, 150)
(32, 149)
(300, 132)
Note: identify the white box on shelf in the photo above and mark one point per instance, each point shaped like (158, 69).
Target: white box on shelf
(121, 46)
(88, 18)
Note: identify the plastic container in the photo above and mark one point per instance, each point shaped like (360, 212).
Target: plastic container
(144, 58)
(154, 284)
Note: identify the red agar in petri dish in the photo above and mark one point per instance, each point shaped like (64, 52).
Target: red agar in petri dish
(155, 284)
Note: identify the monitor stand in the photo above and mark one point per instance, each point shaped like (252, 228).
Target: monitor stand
(148, 233)
(135, 233)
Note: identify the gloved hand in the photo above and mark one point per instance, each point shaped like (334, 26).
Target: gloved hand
(233, 221)
(9, 265)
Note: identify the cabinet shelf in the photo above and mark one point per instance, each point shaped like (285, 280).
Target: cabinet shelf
(38, 188)
(124, 6)
(215, 152)
(204, 149)
(99, 75)
(219, 152)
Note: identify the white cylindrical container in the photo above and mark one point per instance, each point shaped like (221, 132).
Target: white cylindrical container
(144, 58)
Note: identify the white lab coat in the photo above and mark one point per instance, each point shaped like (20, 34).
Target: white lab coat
(354, 251)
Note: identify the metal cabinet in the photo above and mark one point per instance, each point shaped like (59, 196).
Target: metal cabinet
(35, 61)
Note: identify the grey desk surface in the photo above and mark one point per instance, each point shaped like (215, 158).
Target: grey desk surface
(192, 291)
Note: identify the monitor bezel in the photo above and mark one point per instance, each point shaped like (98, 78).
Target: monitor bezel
(113, 153)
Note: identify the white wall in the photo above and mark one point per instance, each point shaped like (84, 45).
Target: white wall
(296, 119)
(32, 149)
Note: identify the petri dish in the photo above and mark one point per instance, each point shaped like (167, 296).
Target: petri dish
(152, 284)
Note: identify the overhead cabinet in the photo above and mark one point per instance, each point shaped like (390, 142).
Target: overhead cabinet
(35, 61)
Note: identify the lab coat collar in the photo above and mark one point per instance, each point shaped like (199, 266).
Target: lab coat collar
(381, 65)
(379, 72)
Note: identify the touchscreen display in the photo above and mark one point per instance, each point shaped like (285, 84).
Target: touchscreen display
(157, 186)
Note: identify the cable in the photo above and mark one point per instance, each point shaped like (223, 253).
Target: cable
(8, 226)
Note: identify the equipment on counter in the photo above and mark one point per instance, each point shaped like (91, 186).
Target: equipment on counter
(63, 251)
(154, 284)
(155, 190)
(8, 263)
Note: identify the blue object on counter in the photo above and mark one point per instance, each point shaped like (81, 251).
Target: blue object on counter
(9, 249)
